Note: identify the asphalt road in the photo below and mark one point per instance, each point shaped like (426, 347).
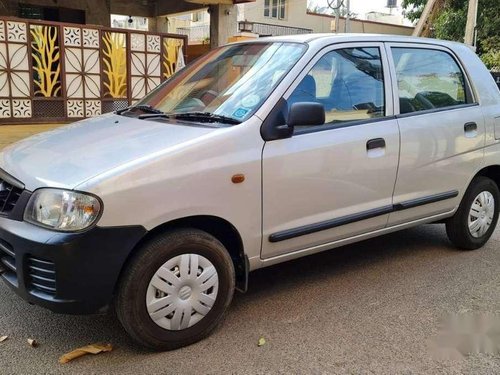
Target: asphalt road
(371, 307)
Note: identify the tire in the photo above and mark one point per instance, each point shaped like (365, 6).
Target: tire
(138, 288)
(457, 227)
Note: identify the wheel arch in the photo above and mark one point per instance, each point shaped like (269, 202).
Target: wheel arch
(491, 171)
(220, 228)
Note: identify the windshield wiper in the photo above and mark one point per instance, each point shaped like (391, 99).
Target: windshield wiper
(153, 115)
(142, 107)
(205, 117)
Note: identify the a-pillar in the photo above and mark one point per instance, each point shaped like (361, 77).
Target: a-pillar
(223, 24)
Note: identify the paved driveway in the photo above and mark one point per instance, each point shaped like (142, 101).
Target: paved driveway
(370, 307)
(13, 133)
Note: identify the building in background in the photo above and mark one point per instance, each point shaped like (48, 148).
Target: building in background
(63, 60)
(284, 17)
(150, 14)
(295, 14)
(196, 25)
(129, 22)
(202, 23)
(395, 19)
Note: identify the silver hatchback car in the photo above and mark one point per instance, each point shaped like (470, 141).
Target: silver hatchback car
(257, 153)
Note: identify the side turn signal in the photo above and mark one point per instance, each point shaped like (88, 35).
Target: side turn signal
(238, 178)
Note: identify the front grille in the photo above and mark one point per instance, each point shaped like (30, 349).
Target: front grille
(8, 258)
(42, 275)
(9, 195)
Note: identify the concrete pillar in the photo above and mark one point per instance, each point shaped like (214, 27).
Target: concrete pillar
(162, 24)
(223, 24)
(153, 24)
(470, 27)
(98, 12)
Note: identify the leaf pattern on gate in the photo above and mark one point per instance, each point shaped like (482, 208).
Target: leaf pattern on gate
(115, 62)
(46, 61)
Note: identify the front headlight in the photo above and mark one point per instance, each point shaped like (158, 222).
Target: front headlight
(63, 210)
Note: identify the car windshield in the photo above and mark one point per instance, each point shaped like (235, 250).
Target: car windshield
(226, 85)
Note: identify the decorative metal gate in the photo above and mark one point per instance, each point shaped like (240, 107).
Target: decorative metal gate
(54, 72)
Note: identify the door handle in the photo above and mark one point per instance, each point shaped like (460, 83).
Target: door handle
(470, 130)
(375, 143)
(470, 127)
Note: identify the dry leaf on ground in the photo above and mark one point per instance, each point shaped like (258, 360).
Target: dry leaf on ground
(89, 349)
(33, 343)
(262, 341)
(3, 338)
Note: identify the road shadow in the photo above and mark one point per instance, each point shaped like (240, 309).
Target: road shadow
(65, 332)
(400, 246)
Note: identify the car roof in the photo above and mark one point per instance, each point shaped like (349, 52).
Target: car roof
(330, 38)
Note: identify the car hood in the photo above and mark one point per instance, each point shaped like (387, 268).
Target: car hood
(67, 156)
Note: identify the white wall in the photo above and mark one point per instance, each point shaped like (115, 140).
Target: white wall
(385, 17)
(297, 16)
(170, 23)
(295, 11)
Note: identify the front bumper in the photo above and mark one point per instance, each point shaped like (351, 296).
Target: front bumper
(72, 273)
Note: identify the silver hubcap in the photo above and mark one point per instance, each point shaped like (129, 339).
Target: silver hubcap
(481, 214)
(182, 291)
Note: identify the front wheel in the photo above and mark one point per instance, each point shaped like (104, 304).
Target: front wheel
(176, 289)
(476, 218)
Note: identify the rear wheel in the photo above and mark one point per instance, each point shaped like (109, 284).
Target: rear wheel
(176, 289)
(476, 218)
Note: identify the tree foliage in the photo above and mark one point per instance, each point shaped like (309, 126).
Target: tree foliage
(412, 9)
(450, 22)
(491, 55)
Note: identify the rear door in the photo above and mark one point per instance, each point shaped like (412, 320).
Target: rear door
(442, 131)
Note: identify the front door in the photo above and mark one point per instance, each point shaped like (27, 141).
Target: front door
(335, 180)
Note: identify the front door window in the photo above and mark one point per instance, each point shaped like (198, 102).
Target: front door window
(348, 82)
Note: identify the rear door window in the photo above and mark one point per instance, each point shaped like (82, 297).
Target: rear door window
(428, 79)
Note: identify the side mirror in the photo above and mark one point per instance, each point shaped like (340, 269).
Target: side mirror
(306, 114)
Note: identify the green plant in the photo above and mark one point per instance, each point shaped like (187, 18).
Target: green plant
(449, 23)
(491, 52)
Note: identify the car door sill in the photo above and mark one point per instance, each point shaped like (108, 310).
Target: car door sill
(364, 215)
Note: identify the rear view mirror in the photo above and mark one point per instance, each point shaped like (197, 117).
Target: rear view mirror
(306, 114)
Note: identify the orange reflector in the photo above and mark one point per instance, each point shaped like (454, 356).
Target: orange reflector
(89, 210)
(238, 178)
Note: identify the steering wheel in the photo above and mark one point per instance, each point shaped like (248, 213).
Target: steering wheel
(191, 105)
(208, 96)
(426, 103)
